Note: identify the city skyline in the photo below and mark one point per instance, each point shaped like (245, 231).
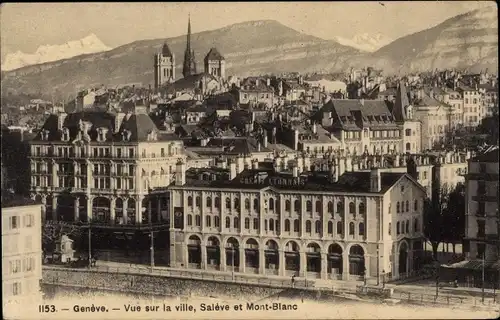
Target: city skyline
(58, 23)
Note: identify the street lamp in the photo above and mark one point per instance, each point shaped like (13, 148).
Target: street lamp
(364, 276)
(378, 266)
(383, 279)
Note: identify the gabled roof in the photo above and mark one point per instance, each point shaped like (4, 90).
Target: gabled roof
(213, 54)
(165, 51)
(401, 103)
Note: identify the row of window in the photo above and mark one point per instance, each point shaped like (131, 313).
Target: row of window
(404, 227)
(274, 224)
(15, 223)
(272, 204)
(401, 206)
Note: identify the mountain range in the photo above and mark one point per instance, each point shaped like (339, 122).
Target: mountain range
(365, 42)
(262, 47)
(49, 53)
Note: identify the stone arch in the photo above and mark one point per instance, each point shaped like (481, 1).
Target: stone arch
(403, 257)
(252, 257)
(357, 265)
(306, 245)
(335, 260)
(212, 237)
(232, 245)
(246, 239)
(213, 247)
(292, 262)
(271, 244)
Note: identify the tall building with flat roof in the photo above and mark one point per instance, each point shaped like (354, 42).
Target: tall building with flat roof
(21, 253)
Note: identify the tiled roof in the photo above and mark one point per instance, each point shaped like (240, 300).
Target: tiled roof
(237, 145)
(139, 124)
(350, 182)
(190, 82)
(354, 114)
(213, 54)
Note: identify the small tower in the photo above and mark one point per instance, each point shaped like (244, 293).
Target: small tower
(215, 64)
(164, 67)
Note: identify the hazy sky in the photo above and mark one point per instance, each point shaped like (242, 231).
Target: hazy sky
(25, 26)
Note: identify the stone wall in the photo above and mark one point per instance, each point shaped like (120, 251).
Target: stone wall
(167, 286)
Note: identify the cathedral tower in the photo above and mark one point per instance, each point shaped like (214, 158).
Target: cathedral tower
(189, 67)
(215, 64)
(164, 67)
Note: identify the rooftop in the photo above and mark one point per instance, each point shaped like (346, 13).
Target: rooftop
(10, 200)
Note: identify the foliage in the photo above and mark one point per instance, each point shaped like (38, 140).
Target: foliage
(52, 232)
(444, 216)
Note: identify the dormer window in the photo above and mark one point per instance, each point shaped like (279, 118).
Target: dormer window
(45, 135)
(101, 134)
(152, 136)
(65, 134)
(126, 134)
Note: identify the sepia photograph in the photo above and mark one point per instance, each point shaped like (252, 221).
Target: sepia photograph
(250, 160)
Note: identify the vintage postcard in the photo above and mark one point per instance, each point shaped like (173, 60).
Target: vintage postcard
(246, 160)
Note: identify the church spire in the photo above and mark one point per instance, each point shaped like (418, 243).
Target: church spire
(188, 48)
(189, 66)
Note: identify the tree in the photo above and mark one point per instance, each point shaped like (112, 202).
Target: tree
(454, 216)
(434, 217)
(52, 232)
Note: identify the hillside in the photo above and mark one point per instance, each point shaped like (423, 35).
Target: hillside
(468, 40)
(249, 48)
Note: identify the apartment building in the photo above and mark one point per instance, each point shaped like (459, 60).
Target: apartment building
(98, 166)
(21, 253)
(288, 222)
(482, 202)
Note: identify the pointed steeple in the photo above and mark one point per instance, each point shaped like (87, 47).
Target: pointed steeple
(189, 66)
(401, 103)
(188, 46)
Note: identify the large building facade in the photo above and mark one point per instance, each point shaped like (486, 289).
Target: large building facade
(482, 202)
(99, 167)
(283, 223)
(21, 255)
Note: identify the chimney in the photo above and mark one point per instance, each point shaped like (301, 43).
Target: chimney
(296, 140)
(253, 117)
(264, 139)
(60, 120)
(240, 163)
(396, 161)
(255, 164)
(295, 170)
(273, 136)
(314, 128)
(348, 164)
(341, 167)
(118, 121)
(180, 173)
(332, 172)
(232, 169)
(268, 82)
(375, 180)
(203, 142)
(258, 146)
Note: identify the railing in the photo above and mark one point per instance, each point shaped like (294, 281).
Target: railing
(188, 274)
(444, 299)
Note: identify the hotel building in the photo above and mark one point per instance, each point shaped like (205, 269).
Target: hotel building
(284, 221)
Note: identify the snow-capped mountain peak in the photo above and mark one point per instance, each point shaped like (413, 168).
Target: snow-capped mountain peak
(365, 41)
(48, 53)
